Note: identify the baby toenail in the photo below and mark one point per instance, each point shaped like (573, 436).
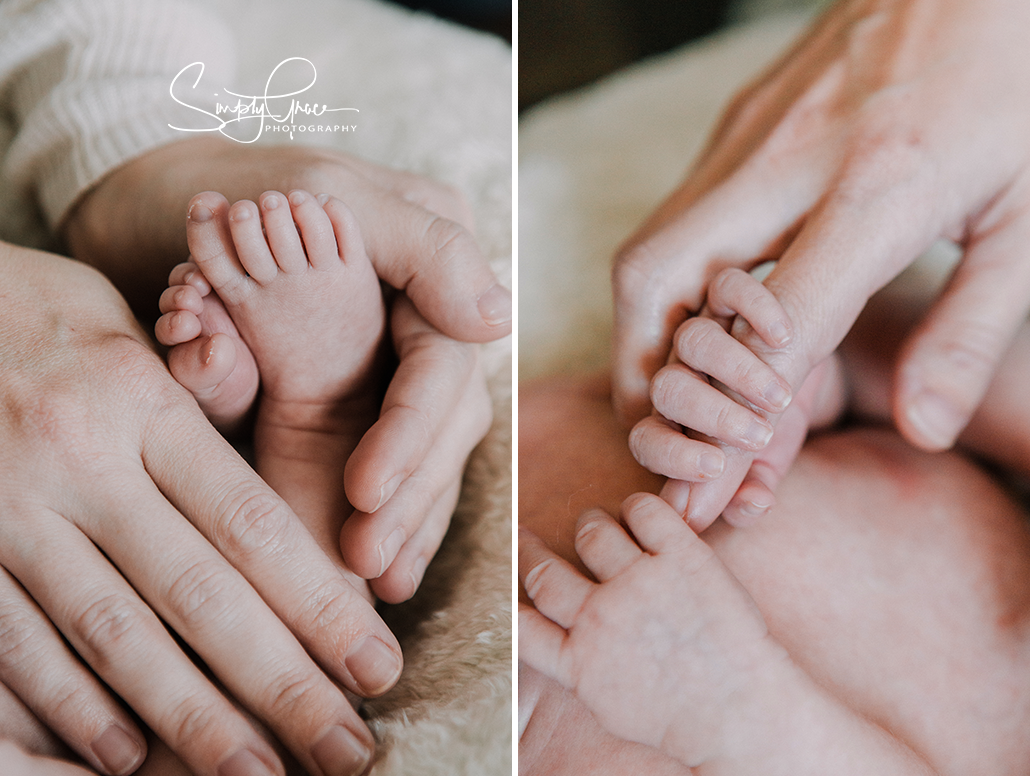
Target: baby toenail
(271, 202)
(240, 214)
(297, 197)
(199, 213)
(322, 199)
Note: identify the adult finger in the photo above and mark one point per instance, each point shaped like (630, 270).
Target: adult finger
(212, 607)
(435, 375)
(553, 584)
(207, 481)
(948, 362)
(603, 546)
(37, 665)
(437, 263)
(402, 579)
(658, 279)
(124, 642)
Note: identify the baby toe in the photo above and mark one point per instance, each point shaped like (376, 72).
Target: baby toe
(281, 232)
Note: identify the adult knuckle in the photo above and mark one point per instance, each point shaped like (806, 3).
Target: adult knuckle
(295, 691)
(202, 593)
(109, 626)
(448, 241)
(325, 609)
(19, 636)
(193, 720)
(252, 522)
(633, 271)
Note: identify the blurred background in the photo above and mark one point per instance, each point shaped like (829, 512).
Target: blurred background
(568, 43)
(490, 15)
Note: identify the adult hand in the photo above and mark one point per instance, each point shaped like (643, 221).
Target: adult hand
(123, 508)
(435, 412)
(889, 125)
(418, 233)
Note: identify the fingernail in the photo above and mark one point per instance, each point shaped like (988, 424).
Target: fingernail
(244, 763)
(341, 753)
(935, 419)
(777, 396)
(199, 213)
(117, 750)
(418, 570)
(297, 197)
(271, 202)
(758, 434)
(389, 548)
(373, 665)
(751, 510)
(495, 305)
(388, 489)
(710, 464)
(780, 333)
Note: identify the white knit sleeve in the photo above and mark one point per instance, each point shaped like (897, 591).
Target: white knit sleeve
(84, 87)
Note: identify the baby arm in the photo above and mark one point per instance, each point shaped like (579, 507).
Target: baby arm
(668, 650)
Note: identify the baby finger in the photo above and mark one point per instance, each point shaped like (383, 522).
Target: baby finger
(681, 396)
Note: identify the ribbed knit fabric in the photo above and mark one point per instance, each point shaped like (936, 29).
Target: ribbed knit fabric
(84, 87)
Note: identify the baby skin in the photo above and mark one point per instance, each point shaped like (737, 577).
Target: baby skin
(281, 294)
(876, 620)
(717, 402)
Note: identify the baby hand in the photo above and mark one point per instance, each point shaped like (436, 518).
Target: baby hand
(666, 648)
(724, 396)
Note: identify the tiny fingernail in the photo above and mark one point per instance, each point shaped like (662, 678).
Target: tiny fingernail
(373, 665)
(758, 434)
(389, 548)
(271, 202)
(341, 753)
(935, 419)
(779, 333)
(117, 750)
(751, 509)
(199, 213)
(495, 305)
(322, 199)
(777, 396)
(244, 763)
(297, 197)
(710, 464)
(388, 489)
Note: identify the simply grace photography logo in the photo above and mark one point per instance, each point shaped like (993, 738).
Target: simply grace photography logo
(244, 117)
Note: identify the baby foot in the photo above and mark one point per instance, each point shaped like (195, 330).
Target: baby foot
(283, 289)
